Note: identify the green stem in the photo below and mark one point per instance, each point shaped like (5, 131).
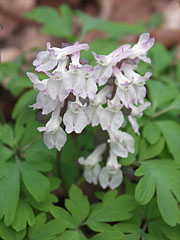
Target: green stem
(31, 143)
(60, 173)
(157, 114)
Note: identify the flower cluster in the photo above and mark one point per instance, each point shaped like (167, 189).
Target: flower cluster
(70, 93)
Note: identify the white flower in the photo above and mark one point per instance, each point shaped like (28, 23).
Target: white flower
(95, 108)
(55, 86)
(93, 113)
(111, 175)
(90, 84)
(121, 143)
(45, 103)
(47, 60)
(134, 124)
(75, 118)
(80, 79)
(71, 91)
(133, 76)
(137, 112)
(141, 47)
(53, 124)
(92, 168)
(54, 136)
(130, 84)
(55, 139)
(38, 85)
(111, 117)
(91, 174)
(107, 62)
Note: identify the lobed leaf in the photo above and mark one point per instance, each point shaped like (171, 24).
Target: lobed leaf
(55, 24)
(112, 209)
(162, 176)
(78, 204)
(10, 187)
(24, 215)
(36, 183)
(171, 131)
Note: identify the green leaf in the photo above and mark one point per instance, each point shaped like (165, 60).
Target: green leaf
(31, 131)
(132, 231)
(24, 215)
(112, 209)
(45, 231)
(151, 132)
(7, 233)
(99, 227)
(9, 186)
(156, 20)
(37, 184)
(162, 176)
(7, 135)
(171, 131)
(113, 29)
(157, 87)
(161, 58)
(14, 72)
(152, 211)
(175, 105)
(128, 161)
(78, 204)
(55, 182)
(24, 101)
(150, 151)
(61, 214)
(6, 153)
(72, 235)
(39, 153)
(113, 235)
(42, 206)
(160, 230)
(55, 24)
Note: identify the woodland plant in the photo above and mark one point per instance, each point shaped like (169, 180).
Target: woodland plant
(99, 117)
(71, 94)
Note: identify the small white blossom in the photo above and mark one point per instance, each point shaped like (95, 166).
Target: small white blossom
(54, 135)
(47, 60)
(121, 143)
(143, 45)
(91, 163)
(111, 175)
(95, 108)
(75, 118)
(137, 112)
(55, 86)
(111, 117)
(38, 85)
(55, 139)
(45, 103)
(106, 63)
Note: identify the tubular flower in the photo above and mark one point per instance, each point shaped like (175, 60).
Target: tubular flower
(70, 94)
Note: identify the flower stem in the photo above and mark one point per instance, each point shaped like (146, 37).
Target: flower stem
(32, 142)
(60, 173)
(157, 114)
